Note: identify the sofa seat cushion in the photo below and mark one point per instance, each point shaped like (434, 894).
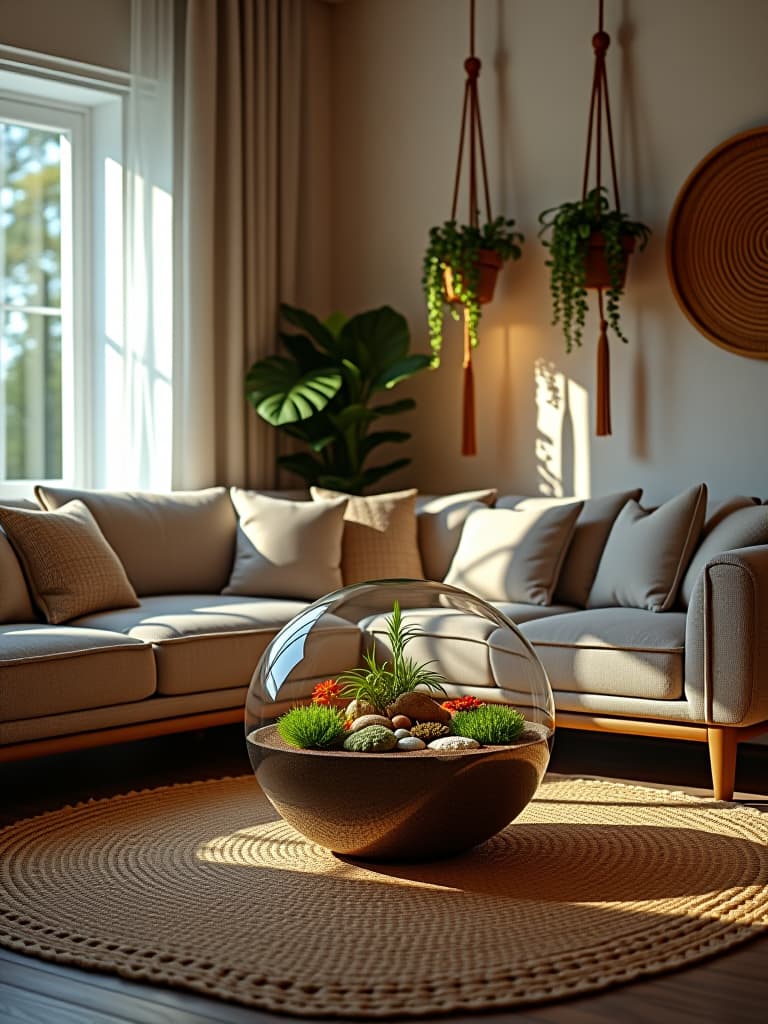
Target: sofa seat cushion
(214, 641)
(624, 652)
(49, 670)
(528, 612)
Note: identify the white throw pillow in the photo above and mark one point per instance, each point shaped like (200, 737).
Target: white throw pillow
(508, 554)
(440, 519)
(286, 548)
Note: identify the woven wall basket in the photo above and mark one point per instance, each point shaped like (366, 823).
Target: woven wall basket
(717, 245)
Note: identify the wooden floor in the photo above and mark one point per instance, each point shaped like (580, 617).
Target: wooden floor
(730, 989)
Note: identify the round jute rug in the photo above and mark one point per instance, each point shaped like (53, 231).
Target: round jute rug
(200, 887)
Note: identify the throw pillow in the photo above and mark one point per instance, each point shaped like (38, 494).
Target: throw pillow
(507, 554)
(286, 548)
(155, 535)
(647, 553)
(70, 568)
(440, 519)
(380, 537)
(15, 602)
(583, 555)
(741, 529)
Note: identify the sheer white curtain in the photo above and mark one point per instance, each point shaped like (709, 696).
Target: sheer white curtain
(140, 380)
(239, 203)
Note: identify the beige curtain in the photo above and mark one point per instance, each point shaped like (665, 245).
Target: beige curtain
(238, 240)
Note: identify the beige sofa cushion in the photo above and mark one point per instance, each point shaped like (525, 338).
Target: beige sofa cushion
(623, 652)
(647, 553)
(508, 554)
(15, 599)
(589, 536)
(380, 537)
(181, 542)
(286, 548)
(740, 529)
(439, 520)
(214, 641)
(70, 567)
(49, 670)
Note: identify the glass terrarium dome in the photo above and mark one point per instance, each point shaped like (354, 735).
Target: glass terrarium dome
(399, 718)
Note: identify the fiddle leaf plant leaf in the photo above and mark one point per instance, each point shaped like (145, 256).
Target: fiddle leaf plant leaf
(400, 371)
(282, 394)
(310, 325)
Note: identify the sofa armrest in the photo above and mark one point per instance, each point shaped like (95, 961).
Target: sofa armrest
(726, 642)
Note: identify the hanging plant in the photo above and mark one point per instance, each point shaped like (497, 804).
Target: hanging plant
(589, 246)
(460, 267)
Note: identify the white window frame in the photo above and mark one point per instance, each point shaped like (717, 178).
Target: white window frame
(90, 111)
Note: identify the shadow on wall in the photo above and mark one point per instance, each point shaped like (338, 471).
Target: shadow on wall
(562, 449)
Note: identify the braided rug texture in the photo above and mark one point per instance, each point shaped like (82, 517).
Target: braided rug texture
(200, 886)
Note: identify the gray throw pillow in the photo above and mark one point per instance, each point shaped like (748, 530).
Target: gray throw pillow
(647, 553)
(741, 529)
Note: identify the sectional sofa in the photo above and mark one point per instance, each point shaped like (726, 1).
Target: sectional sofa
(127, 615)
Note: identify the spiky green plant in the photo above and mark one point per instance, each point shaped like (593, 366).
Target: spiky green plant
(490, 725)
(312, 727)
(380, 684)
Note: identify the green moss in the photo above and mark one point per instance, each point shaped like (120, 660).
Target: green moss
(491, 724)
(373, 739)
(312, 727)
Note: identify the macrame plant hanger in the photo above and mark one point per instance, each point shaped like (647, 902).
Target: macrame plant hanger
(598, 104)
(470, 113)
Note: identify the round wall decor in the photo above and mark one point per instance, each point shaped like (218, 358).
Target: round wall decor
(717, 245)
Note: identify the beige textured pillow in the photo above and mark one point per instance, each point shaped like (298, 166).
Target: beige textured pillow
(286, 548)
(182, 542)
(380, 537)
(647, 553)
(583, 555)
(70, 568)
(440, 519)
(507, 554)
(741, 529)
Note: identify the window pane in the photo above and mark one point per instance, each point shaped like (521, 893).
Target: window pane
(31, 382)
(31, 214)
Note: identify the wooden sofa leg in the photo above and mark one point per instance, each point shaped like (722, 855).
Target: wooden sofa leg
(722, 744)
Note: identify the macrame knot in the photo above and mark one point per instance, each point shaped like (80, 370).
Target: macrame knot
(472, 66)
(600, 42)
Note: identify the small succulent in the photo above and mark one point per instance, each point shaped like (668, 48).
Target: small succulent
(490, 725)
(429, 731)
(312, 727)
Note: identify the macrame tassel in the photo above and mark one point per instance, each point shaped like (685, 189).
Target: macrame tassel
(603, 426)
(468, 436)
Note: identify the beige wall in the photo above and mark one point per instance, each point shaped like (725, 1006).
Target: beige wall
(683, 77)
(91, 31)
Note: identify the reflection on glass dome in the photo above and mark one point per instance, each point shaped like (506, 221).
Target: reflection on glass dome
(399, 718)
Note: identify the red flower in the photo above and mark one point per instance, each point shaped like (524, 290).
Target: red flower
(462, 704)
(326, 692)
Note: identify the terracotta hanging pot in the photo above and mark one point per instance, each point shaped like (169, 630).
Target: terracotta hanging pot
(596, 271)
(490, 264)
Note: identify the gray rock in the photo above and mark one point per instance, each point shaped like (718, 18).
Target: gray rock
(356, 708)
(402, 732)
(419, 707)
(410, 743)
(454, 743)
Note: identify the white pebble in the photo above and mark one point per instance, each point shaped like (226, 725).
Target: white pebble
(453, 743)
(402, 732)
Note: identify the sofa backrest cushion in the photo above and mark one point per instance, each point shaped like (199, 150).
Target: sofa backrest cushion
(586, 548)
(740, 529)
(647, 553)
(440, 518)
(15, 601)
(180, 542)
(286, 548)
(380, 538)
(70, 567)
(508, 554)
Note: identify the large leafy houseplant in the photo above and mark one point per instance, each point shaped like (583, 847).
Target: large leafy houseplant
(578, 229)
(455, 255)
(324, 393)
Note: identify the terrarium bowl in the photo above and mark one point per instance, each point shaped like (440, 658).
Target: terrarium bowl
(413, 804)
